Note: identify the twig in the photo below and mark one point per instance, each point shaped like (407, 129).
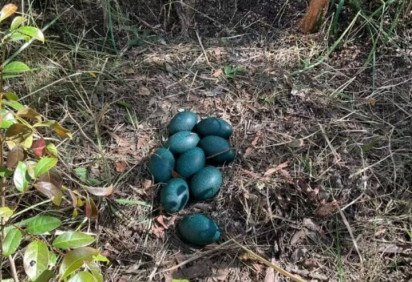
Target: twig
(13, 269)
(203, 49)
(355, 244)
(270, 264)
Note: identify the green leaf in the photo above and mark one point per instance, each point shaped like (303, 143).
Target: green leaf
(45, 276)
(52, 149)
(15, 67)
(81, 173)
(72, 240)
(32, 31)
(95, 270)
(7, 118)
(36, 259)
(12, 241)
(17, 21)
(83, 276)
(73, 260)
(21, 178)
(7, 11)
(17, 36)
(14, 105)
(6, 213)
(42, 223)
(44, 165)
(53, 259)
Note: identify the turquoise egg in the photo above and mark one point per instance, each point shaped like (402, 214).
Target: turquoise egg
(217, 149)
(214, 126)
(205, 184)
(161, 165)
(198, 229)
(190, 162)
(174, 195)
(182, 141)
(183, 121)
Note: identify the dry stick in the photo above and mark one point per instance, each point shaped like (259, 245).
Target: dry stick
(270, 264)
(203, 49)
(355, 244)
(13, 269)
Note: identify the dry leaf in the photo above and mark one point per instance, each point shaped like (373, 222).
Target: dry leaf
(100, 191)
(270, 273)
(298, 237)
(217, 73)
(147, 183)
(15, 155)
(279, 167)
(120, 166)
(313, 14)
(326, 209)
(144, 91)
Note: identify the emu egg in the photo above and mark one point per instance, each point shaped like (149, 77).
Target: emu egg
(198, 229)
(174, 195)
(183, 121)
(205, 184)
(214, 126)
(161, 165)
(182, 141)
(217, 149)
(190, 162)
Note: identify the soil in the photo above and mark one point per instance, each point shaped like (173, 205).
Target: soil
(321, 184)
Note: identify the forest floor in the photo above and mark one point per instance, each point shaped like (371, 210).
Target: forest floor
(321, 184)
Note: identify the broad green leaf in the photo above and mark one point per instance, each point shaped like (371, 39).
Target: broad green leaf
(7, 119)
(36, 259)
(71, 240)
(73, 260)
(44, 165)
(52, 149)
(14, 105)
(7, 11)
(17, 36)
(6, 213)
(45, 276)
(95, 270)
(15, 156)
(32, 31)
(53, 259)
(42, 223)
(17, 21)
(83, 276)
(21, 177)
(12, 96)
(4, 172)
(101, 258)
(15, 67)
(12, 241)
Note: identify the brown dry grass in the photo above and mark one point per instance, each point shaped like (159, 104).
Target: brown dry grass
(321, 186)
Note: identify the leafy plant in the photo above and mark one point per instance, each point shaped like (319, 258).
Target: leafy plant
(231, 72)
(28, 160)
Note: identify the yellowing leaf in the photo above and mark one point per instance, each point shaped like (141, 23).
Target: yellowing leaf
(29, 114)
(7, 11)
(18, 132)
(5, 213)
(83, 276)
(17, 21)
(60, 130)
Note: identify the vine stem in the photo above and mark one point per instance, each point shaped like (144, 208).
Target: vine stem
(2, 181)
